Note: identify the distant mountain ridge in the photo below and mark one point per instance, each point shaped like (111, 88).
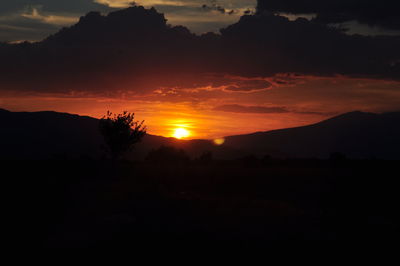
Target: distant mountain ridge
(47, 134)
(355, 134)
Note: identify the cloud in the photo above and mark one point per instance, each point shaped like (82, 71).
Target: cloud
(236, 108)
(36, 19)
(50, 19)
(62, 12)
(214, 6)
(374, 13)
(147, 3)
(248, 85)
(78, 7)
(255, 109)
(134, 50)
(266, 44)
(115, 3)
(201, 15)
(227, 83)
(18, 28)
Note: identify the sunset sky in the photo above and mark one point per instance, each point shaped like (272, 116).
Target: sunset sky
(283, 64)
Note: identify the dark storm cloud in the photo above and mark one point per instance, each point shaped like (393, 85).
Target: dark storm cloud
(134, 50)
(384, 13)
(268, 44)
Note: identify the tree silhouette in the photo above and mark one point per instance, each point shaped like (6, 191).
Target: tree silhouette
(167, 154)
(120, 132)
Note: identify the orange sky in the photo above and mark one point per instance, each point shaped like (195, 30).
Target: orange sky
(306, 100)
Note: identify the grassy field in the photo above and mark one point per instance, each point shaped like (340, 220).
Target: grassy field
(81, 203)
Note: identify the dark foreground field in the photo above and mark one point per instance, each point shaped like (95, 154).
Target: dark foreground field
(81, 203)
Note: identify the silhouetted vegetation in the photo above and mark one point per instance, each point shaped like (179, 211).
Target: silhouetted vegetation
(47, 134)
(170, 198)
(167, 154)
(120, 133)
(205, 158)
(80, 203)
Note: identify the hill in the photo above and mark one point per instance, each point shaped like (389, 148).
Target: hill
(356, 134)
(43, 135)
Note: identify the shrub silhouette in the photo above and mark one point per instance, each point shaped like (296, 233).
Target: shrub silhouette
(167, 154)
(120, 132)
(337, 156)
(249, 160)
(205, 158)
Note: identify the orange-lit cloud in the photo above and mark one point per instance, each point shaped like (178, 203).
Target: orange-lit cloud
(308, 101)
(127, 3)
(240, 81)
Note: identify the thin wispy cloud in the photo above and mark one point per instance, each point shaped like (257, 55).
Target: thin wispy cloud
(35, 14)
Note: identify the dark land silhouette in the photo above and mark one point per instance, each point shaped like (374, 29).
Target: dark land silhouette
(337, 179)
(357, 135)
(120, 133)
(62, 193)
(93, 203)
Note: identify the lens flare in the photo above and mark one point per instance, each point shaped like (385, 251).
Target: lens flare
(219, 141)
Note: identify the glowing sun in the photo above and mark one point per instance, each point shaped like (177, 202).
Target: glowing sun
(180, 133)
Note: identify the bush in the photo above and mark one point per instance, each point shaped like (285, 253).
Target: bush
(167, 154)
(120, 133)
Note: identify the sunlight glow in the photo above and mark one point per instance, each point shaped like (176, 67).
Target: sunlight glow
(219, 141)
(181, 133)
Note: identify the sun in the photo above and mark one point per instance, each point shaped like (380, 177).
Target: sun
(181, 133)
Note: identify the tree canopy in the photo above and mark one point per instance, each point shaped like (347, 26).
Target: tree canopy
(121, 132)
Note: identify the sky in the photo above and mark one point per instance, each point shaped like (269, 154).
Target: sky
(34, 20)
(268, 64)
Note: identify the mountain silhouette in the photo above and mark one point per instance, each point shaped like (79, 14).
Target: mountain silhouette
(355, 134)
(51, 134)
(43, 135)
